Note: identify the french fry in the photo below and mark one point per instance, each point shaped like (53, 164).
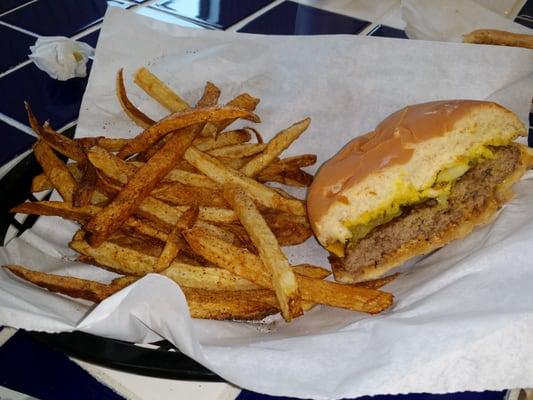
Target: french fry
(207, 142)
(202, 303)
(228, 138)
(297, 178)
(86, 186)
(140, 186)
(68, 285)
(294, 162)
(159, 91)
(311, 271)
(210, 96)
(249, 266)
(129, 261)
(275, 147)
(229, 305)
(109, 144)
(191, 179)
(498, 37)
(221, 174)
(55, 140)
(40, 183)
(244, 101)
(238, 150)
(283, 279)
(136, 115)
(172, 245)
(181, 120)
(379, 282)
(55, 170)
(122, 171)
(234, 163)
(185, 195)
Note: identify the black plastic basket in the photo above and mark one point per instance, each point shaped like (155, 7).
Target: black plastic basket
(160, 359)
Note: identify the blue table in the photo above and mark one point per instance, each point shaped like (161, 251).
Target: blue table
(27, 366)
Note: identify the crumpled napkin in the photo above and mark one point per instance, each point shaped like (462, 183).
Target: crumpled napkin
(449, 20)
(60, 57)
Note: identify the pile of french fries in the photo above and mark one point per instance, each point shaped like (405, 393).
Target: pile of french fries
(186, 199)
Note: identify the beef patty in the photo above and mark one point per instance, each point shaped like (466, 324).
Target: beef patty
(469, 197)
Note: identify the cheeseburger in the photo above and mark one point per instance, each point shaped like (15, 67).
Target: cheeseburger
(428, 174)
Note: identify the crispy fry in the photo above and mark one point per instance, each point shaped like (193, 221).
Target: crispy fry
(243, 101)
(275, 147)
(159, 91)
(86, 186)
(289, 229)
(68, 285)
(55, 170)
(229, 305)
(140, 186)
(210, 96)
(297, 178)
(181, 120)
(136, 115)
(238, 150)
(311, 271)
(39, 183)
(192, 179)
(218, 172)
(109, 144)
(497, 37)
(172, 246)
(283, 279)
(122, 171)
(378, 283)
(294, 162)
(234, 163)
(58, 142)
(228, 138)
(185, 195)
(245, 264)
(202, 303)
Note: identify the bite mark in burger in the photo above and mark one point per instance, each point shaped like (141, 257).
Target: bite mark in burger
(427, 175)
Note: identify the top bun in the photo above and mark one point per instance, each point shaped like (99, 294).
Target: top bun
(399, 162)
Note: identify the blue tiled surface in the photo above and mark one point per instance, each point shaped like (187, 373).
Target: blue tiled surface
(291, 18)
(525, 15)
(91, 39)
(18, 142)
(50, 99)
(60, 17)
(31, 368)
(217, 13)
(14, 47)
(387, 31)
(170, 17)
(25, 365)
(6, 5)
(245, 395)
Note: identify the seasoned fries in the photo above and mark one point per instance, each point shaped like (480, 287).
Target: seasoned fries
(159, 91)
(221, 174)
(186, 199)
(131, 111)
(274, 148)
(140, 186)
(55, 170)
(248, 266)
(283, 278)
(181, 120)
